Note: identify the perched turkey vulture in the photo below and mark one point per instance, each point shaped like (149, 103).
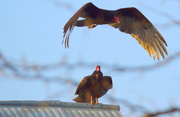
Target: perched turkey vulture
(93, 87)
(129, 20)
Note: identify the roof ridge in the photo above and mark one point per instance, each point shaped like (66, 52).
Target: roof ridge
(57, 103)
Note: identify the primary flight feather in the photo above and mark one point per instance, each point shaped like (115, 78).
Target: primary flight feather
(129, 20)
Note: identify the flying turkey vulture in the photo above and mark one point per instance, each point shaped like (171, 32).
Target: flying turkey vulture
(129, 20)
(93, 87)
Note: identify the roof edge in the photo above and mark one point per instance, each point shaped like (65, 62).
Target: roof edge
(57, 103)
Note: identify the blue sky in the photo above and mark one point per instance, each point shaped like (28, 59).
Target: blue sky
(33, 30)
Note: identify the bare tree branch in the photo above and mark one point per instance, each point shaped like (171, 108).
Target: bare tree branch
(13, 69)
(151, 67)
(60, 4)
(5, 64)
(172, 20)
(168, 111)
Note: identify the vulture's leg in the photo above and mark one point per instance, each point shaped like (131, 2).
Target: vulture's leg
(91, 102)
(97, 100)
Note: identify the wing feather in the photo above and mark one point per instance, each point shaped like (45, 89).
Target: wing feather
(72, 21)
(159, 46)
(106, 83)
(133, 22)
(86, 11)
(83, 85)
(156, 55)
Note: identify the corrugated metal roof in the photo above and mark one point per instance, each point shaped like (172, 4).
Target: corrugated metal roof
(56, 109)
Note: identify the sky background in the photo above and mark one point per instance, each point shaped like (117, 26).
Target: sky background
(32, 30)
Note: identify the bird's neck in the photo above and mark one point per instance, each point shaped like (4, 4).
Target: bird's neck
(98, 75)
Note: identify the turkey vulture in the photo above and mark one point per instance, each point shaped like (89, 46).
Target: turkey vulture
(129, 20)
(93, 87)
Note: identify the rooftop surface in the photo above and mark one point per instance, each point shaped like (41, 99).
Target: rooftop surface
(56, 109)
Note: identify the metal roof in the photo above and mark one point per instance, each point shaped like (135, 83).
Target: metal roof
(56, 109)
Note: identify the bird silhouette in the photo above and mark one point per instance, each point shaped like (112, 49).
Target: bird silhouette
(128, 20)
(93, 87)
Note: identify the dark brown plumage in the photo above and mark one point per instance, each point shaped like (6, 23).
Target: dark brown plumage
(128, 20)
(93, 87)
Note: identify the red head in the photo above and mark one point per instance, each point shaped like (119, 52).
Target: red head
(98, 68)
(116, 19)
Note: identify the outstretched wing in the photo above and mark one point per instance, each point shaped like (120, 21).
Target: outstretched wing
(133, 22)
(87, 10)
(83, 85)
